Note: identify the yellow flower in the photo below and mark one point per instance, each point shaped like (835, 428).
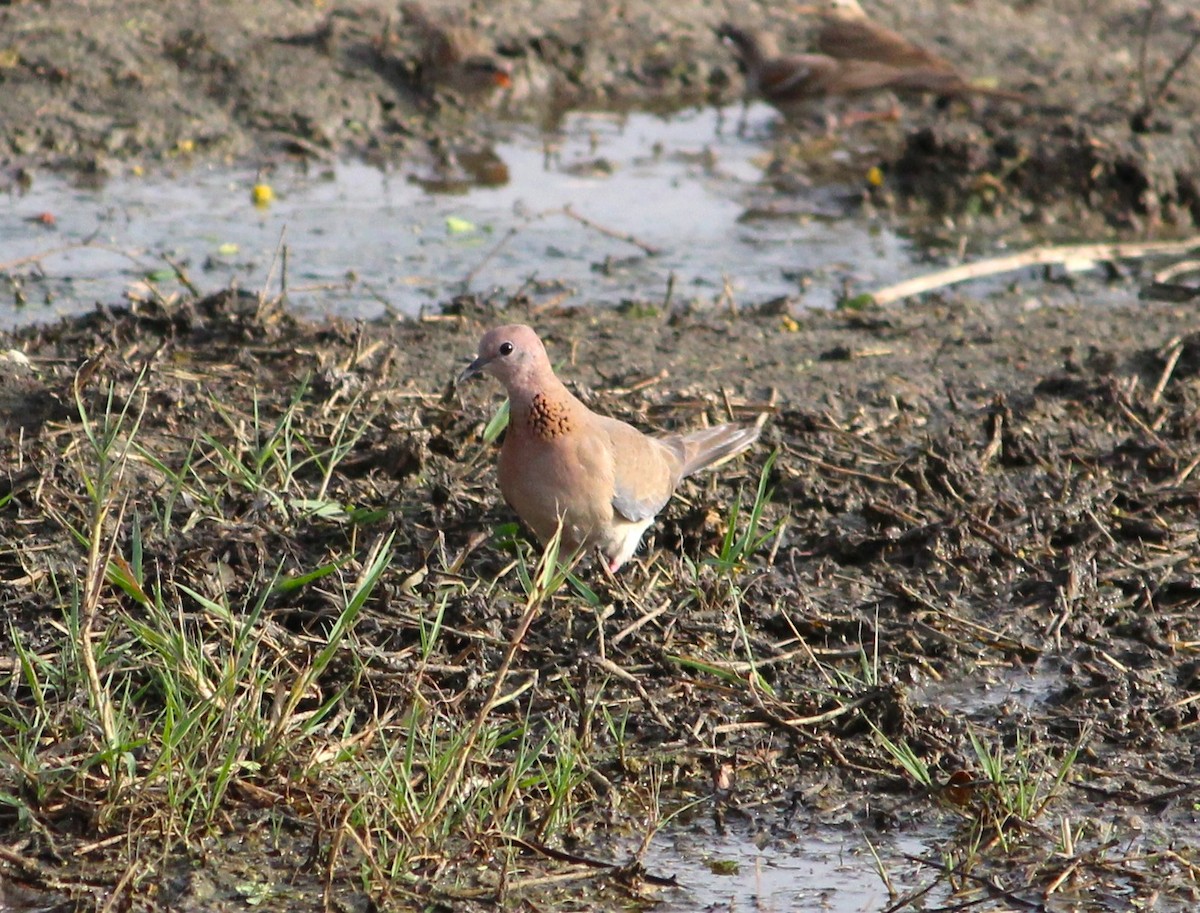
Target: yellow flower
(262, 195)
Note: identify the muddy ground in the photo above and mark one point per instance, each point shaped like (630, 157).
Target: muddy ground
(974, 491)
(1112, 126)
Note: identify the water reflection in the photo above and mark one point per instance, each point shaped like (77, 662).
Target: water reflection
(737, 869)
(364, 242)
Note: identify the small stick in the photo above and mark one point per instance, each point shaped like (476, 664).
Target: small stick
(986, 883)
(496, 248)
(66, 248)
(641, 621)
(182, 276)
(117, 895)
(649, 249)
(1168, 370)
(640, 384)
(666, 305)
(627, 678)
(1172, 70)
(1038, 256)
(554, 301)
(1180, 268)
(280, 250)
(1186, 472)
(1144, 46)
(727, 294)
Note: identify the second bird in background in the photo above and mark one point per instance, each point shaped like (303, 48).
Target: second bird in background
(454, 57)
(846, 32)
(792, 83)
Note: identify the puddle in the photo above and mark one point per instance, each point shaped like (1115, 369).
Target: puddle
(1017, 689)
(739, 871)
(362, 242)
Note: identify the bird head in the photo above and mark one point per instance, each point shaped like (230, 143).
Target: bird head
(487, 72)
(750, 47)
(510, 354)
(848, 10)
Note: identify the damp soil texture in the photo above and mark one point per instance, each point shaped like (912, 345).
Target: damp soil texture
(1111, 125)
(958, 496)
(275, 640)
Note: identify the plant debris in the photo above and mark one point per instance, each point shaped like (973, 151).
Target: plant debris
(275, 636)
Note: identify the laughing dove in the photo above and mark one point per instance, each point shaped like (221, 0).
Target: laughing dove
(601, 479)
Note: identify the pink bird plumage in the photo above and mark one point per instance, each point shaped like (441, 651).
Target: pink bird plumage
(600, 478)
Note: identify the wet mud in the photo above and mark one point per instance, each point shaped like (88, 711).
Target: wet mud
(1110, 127)
(971, 493)
(967, 492)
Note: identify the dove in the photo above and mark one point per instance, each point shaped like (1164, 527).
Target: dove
(561, 464)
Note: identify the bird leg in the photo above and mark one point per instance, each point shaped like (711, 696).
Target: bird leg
(850, 118)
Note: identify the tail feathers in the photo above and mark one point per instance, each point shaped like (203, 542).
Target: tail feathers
(711, 447)
(949, 83)
(1002, 94)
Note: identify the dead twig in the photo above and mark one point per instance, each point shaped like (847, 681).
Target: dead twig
(648, 249)
(182, 276)
(1168, 77)
(1165, 286)
(86, 244)
(495, 249)
(1179, 268)
(988, 884)
(1071, 255)
(610, 668)
(1173, 352)
(576, 859)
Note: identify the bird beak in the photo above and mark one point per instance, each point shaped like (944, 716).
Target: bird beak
(502, 79)
(474, 369)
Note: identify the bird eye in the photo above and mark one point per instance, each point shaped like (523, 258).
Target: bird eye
(506, 348)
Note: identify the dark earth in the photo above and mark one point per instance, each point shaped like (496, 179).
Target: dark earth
(972, 490)
(1111, 127)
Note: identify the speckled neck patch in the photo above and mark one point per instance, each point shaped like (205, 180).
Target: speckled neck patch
(548, 418)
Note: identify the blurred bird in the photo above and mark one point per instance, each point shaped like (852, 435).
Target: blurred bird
(793, 82)
(454, 57)
(848, 33)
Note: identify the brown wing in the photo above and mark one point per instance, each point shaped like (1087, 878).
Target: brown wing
(868, 41)
(646, 470)
(851, 77)
(787, 77)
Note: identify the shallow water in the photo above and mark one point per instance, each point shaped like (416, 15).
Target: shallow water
(363, 242)
(735, 869)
